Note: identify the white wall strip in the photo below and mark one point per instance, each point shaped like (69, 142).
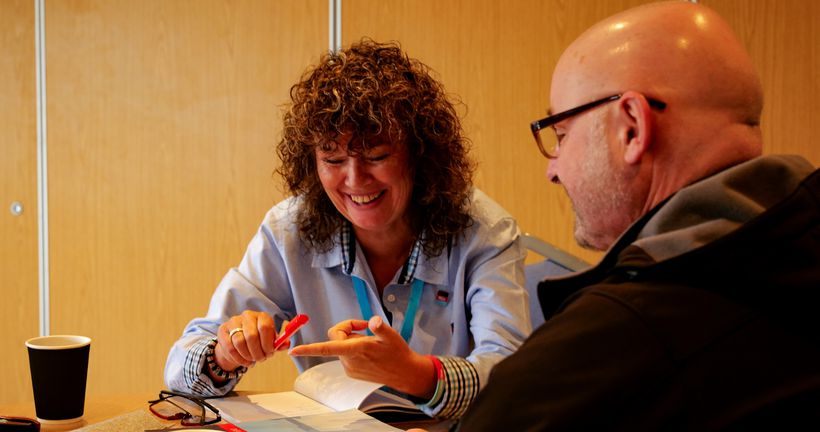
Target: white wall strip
(42, 162)
(335, 28)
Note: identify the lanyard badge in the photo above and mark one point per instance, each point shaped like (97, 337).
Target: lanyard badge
(442, 298)
(409, 314)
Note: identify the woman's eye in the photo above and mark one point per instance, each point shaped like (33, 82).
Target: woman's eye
(333, 161)
(378, 158)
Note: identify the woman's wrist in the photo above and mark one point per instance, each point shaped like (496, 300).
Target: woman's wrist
(222, 360)
(425, 378)
(218, 367)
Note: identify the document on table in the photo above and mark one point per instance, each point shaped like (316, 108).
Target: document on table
(245, 408)
(322, 395)
(336, 421)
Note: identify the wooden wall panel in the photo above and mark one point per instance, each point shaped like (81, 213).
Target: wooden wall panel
(163, 116)
(782, 37)
(498, 57)
(18, 182)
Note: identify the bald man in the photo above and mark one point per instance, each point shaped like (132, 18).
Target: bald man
(702, 315)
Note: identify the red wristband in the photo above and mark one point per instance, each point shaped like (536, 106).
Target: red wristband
(438, 367)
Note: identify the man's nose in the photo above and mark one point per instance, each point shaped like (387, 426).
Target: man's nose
(552, 171)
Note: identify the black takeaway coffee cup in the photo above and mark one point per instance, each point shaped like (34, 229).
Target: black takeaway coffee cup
(59, 367)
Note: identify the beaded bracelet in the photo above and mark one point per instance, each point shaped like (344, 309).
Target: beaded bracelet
(210, 363)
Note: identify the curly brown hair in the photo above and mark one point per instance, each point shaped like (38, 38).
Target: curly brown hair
(368, 89)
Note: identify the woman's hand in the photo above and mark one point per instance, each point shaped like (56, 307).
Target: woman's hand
(245, 347)
(384, 357)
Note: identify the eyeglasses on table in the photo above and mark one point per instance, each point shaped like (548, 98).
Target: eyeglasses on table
(191, 410)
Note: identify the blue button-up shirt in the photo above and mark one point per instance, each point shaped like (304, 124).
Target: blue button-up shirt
(473, 304)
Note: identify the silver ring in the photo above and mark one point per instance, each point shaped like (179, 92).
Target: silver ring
(234, 331)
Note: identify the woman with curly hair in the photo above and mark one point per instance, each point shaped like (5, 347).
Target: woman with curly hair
(410, 275)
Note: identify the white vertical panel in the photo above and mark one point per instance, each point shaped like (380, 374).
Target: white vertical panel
(335, 23)
(42, 162)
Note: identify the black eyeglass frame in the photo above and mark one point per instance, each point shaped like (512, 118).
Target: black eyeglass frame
(551, 120)
(184, 415)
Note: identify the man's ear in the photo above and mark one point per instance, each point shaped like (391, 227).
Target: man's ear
(636, 127)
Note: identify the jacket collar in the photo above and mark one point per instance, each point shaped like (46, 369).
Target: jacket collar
(553, 294)
(669, 218)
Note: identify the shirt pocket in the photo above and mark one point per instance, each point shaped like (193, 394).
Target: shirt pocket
(433, 330)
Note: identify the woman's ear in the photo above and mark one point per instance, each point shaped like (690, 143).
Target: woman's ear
(636, 128)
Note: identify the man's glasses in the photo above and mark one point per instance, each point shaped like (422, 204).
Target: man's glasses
(192, 410)
(550, 121)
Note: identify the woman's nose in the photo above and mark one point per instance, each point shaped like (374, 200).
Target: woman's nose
(356, 172)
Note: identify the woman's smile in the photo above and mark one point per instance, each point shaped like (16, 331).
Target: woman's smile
(366, 198)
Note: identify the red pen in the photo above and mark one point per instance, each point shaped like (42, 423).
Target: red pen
(295, 324)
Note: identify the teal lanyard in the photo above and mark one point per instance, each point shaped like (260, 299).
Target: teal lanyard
(409, 313)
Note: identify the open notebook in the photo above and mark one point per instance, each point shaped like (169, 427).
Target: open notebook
(321, 389)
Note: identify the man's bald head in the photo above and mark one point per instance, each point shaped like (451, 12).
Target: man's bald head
(682, 54)
(683, 51)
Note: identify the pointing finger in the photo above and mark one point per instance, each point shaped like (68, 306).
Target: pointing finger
(325, 349)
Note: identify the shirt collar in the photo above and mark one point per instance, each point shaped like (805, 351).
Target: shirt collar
(419, 265)
(347, 240)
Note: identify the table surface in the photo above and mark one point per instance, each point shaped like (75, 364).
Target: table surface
(126, 412)
(97, 409)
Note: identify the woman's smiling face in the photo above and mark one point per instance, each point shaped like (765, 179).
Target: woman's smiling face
(371, 189)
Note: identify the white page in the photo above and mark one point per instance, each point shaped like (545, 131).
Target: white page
(237, 409)
(382, 399)
(320, 389)
(351, 420)
(329, 384)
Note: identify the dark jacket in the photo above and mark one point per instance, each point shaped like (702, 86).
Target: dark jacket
(705, 315)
